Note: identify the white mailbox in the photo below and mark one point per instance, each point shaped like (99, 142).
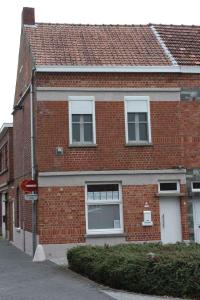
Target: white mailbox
(147, 218)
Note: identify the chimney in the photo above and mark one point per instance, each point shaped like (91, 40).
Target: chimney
(28, 16)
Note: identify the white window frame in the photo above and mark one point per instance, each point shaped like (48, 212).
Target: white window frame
(106, 202)
(193, 189)
(82, 98)
(172, 191)
(137, 98)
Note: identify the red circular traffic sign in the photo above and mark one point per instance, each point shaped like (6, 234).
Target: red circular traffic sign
(29, 185)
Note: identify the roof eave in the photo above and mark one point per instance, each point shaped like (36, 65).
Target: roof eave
(117, 69)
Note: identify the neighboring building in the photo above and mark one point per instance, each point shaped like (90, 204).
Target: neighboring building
(6, 180)
(107, 119)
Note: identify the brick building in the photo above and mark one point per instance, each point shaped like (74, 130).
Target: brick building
(6, 180)
(106, 119)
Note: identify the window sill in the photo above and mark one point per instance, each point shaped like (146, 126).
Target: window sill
(82, 145)
(102, 235)
(138, 144)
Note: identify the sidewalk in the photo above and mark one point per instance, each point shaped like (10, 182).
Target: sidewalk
(21, 279)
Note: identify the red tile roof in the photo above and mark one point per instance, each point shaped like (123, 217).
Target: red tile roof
(92, 45)
(113, 45)
(182, 41)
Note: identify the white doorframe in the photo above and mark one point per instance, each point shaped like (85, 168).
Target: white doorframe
(196, 219)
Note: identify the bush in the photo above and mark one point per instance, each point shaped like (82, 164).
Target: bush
(172, 270)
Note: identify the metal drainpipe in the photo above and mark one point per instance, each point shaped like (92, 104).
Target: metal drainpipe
(33, 173)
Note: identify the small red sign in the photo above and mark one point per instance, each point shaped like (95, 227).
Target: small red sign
(29, 185)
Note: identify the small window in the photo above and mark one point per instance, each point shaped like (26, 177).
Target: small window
(169, 187)
(196, 186)
(104, 208)
(137, 116)
(82, 121)
(4, 158)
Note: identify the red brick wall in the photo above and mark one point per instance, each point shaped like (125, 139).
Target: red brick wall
(134, 198)
(7, 138)
(22, 159)
(24, 70)
(111, 151)
(61, 212)
(61, 215)
(118, 80)
(175, 126)
(190, 131)
(22, 140)
(184, 213)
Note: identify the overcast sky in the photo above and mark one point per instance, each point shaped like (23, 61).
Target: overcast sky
(79, 11)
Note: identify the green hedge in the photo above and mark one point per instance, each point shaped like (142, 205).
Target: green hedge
(172, 270)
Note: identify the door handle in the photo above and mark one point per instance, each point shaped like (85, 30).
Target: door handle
(163, 221)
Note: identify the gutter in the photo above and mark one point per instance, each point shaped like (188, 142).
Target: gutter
(33, 171)
(117, 69)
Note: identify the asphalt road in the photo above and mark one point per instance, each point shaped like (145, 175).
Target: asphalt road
(21, 279)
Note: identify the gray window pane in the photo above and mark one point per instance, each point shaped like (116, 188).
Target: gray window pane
(103, 216)
(76, 118)
(131, 117)
(131, 132)
(75, 132)
(102, 187)
(88, 135)
(168, 186)
(87, 118)
(142, 117)
(143, 132)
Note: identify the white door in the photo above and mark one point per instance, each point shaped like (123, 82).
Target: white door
(170, 220)
(196, 217)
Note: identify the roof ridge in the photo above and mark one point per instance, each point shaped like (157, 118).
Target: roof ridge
(82, 24)
(118, 25)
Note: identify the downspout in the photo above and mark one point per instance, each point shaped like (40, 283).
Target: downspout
(33, 171)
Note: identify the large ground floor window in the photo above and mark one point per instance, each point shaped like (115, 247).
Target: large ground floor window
(104, 208)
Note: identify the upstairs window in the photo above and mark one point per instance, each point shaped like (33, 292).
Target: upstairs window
(137, 118)
(4, 158)
(82, 121)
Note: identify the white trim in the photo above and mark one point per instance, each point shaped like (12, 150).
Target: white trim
(169, 191)
(119, 202)
(137, 98)
(111, 172)
(195, 190)
(164, 47)
(118, 69)
(82, 98)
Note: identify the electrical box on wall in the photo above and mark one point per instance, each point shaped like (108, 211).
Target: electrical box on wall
(147, 218)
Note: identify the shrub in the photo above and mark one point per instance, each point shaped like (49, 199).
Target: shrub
(172, 270)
